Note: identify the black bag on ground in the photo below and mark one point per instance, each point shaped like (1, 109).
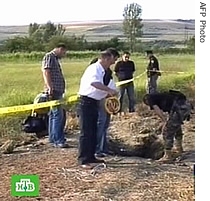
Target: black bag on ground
(34, 124)
(37, 122)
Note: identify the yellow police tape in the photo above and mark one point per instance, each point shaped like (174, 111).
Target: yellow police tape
(130, 80)
(161, 71)
(24, 108)
(72, 98)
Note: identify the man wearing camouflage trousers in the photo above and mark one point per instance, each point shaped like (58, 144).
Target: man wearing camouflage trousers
(179, 110)
(153, 72)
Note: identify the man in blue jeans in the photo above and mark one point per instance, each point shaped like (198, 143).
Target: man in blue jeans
(103, 125)
(55, 87)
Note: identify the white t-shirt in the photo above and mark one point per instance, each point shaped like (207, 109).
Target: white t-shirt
(94, 73)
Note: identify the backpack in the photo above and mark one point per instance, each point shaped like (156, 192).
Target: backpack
(37, 122)
(34, 124)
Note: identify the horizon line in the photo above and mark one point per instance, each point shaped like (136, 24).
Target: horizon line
(95, 21)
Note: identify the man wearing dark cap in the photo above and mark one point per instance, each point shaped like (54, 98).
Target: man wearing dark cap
(179, 109)
(153, 72)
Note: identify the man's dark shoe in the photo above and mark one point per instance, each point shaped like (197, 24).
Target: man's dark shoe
(110, 153)
(100, 155)
(95, 160)
(104, 154)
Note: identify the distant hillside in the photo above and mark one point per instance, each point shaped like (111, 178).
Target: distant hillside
(156, 29)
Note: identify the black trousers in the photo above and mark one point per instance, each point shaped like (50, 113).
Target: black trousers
(88, 117)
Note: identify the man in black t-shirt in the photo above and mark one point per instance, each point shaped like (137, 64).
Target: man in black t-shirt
(124, 70)
(153, 72)
(179, 110)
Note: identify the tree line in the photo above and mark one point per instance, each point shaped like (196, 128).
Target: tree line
(45, 37)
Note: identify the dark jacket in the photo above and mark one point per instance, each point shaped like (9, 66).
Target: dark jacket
(165, 100)
(173, 102)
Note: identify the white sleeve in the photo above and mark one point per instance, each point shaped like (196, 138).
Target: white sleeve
(95, 74)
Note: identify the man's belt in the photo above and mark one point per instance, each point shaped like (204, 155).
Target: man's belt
(86, 98)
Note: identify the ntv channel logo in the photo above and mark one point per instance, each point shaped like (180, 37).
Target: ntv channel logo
(25, 185)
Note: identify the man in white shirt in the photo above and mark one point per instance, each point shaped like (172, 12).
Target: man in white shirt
(103, 116)
(91, 91)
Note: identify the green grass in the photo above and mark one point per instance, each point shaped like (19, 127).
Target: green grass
(21, 82)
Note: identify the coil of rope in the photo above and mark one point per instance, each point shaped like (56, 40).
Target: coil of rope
(112, 105)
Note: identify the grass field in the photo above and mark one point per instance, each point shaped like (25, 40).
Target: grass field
(21, 82)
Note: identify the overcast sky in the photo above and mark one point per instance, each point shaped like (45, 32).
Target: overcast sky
(23, 12)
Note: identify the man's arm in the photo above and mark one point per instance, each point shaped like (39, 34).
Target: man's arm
(100, 86)
(159, 112)
(133, 68)
(46, 67)
(47, 80)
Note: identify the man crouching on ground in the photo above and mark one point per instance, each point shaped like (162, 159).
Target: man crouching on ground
(179, 109)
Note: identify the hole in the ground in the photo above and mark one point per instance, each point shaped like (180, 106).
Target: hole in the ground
(146, 146)
(150, 147)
